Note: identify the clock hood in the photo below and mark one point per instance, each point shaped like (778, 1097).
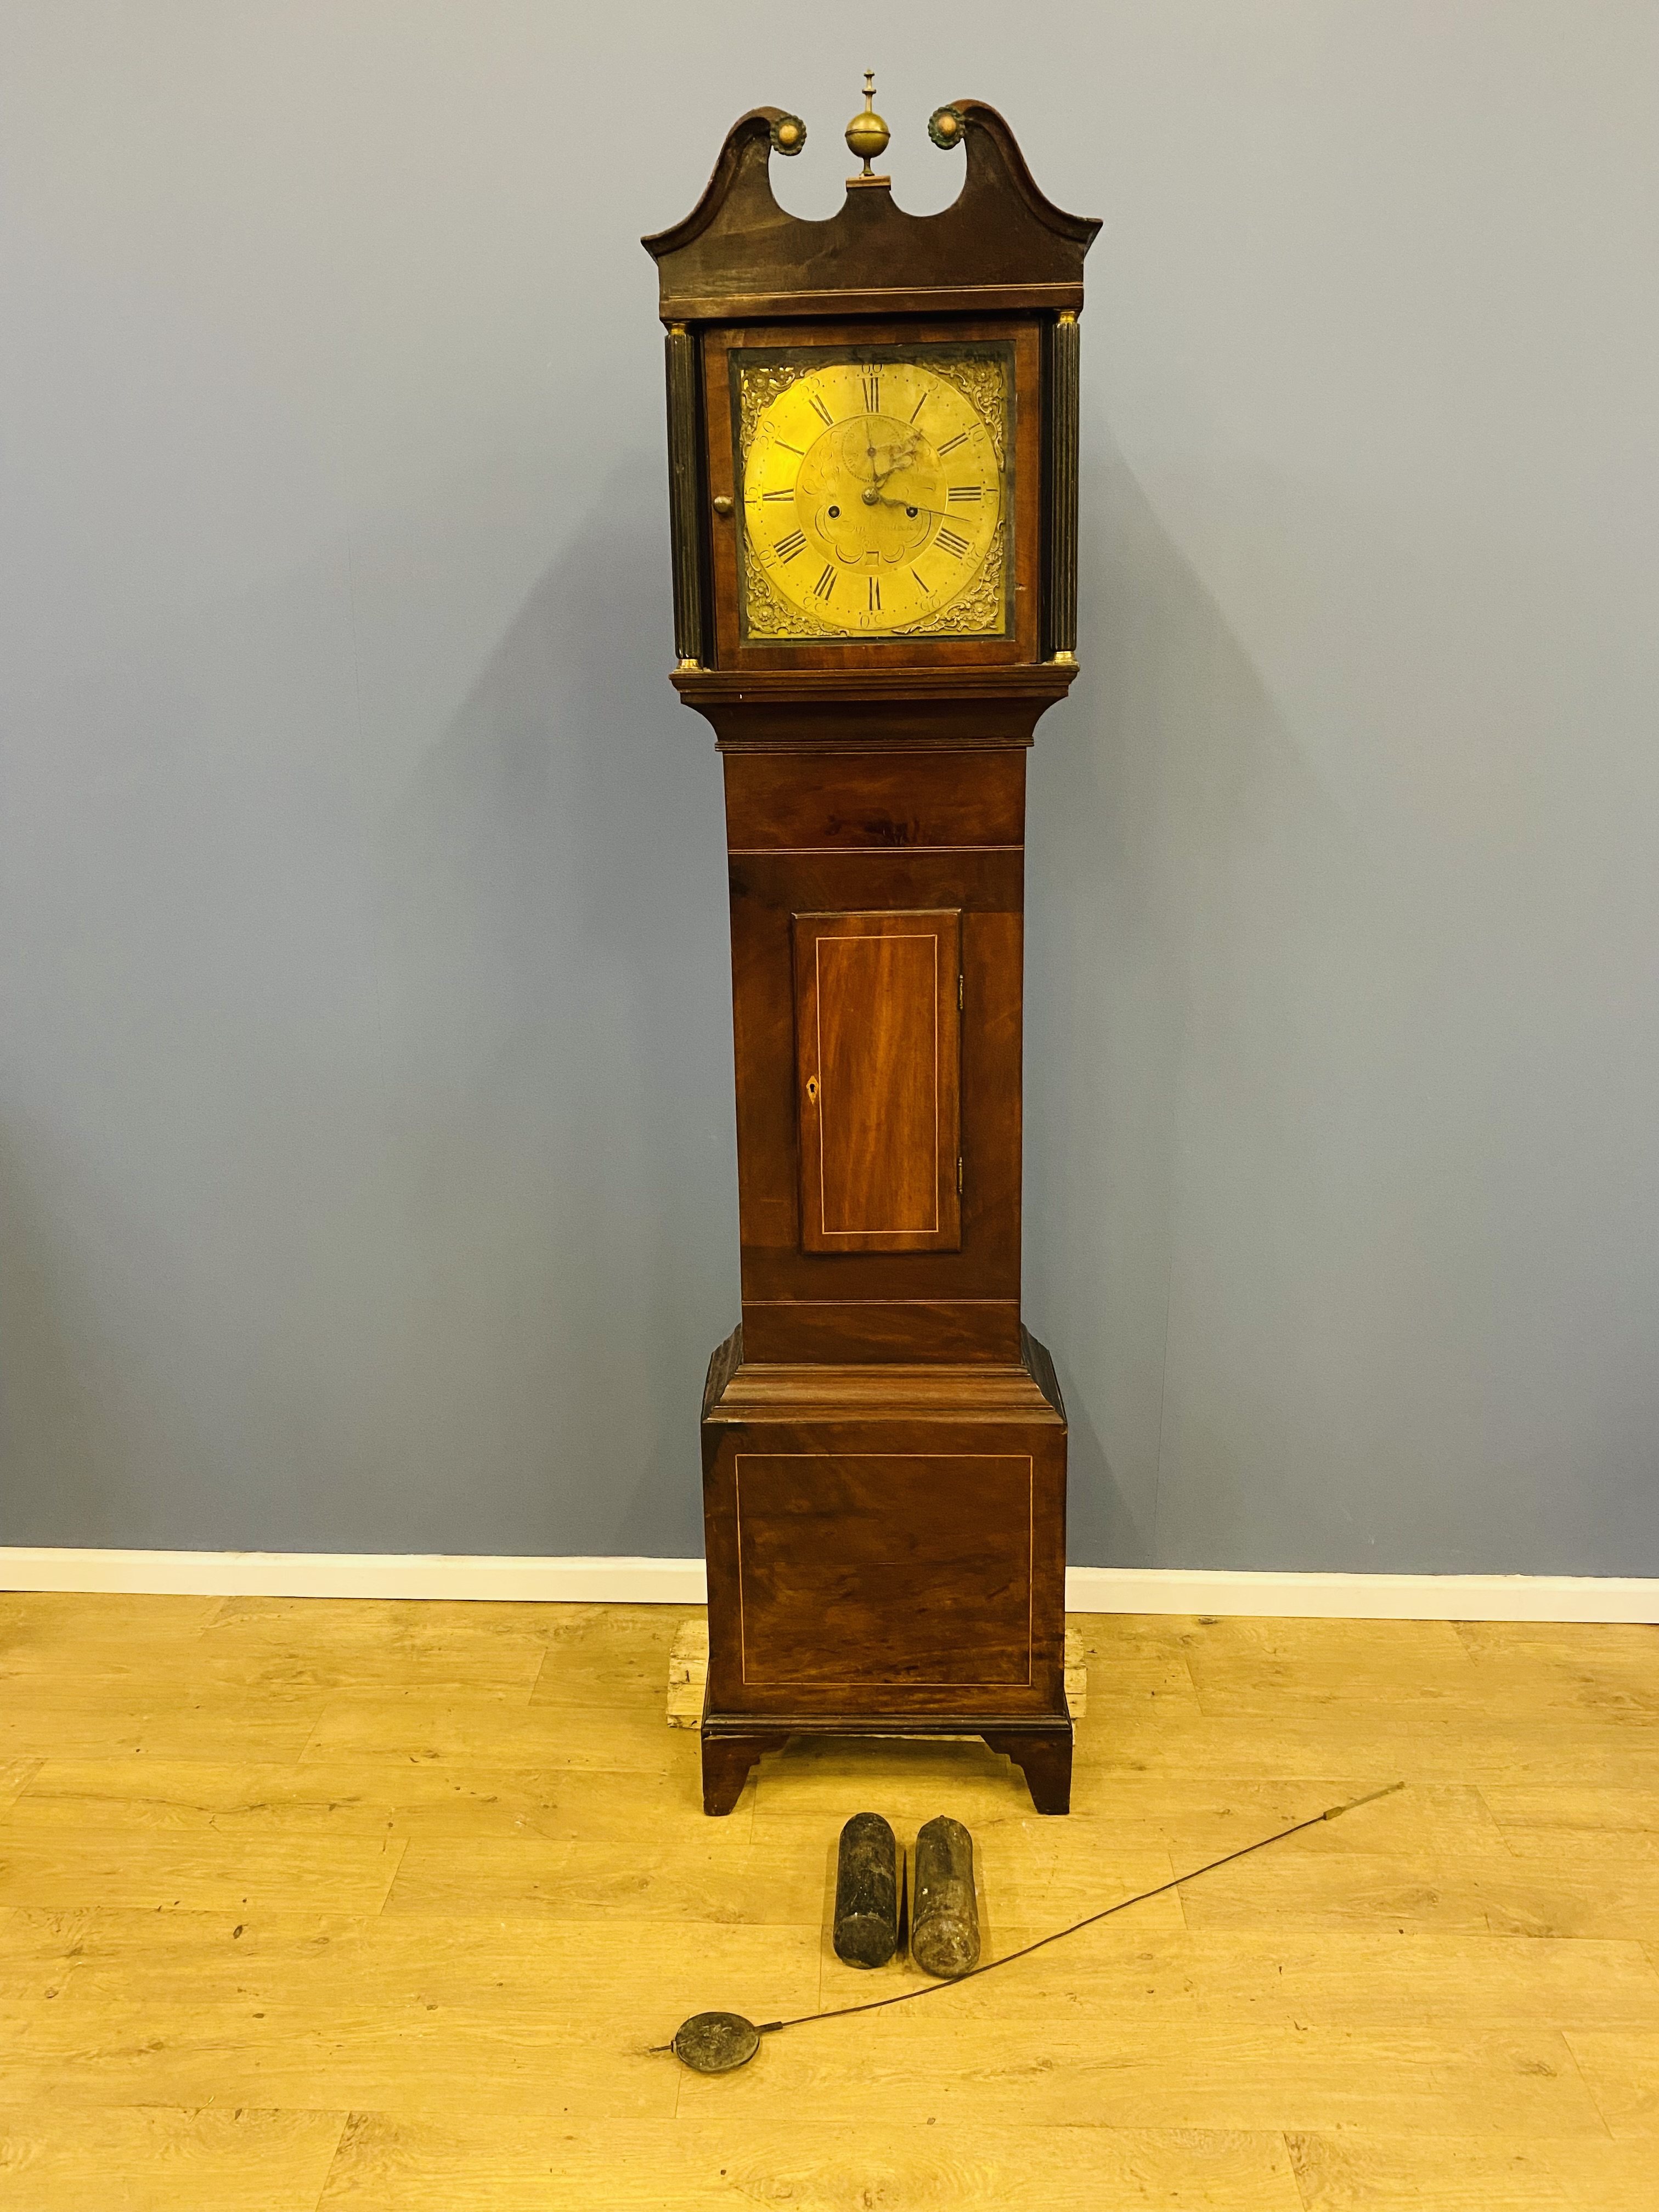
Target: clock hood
(1000, 247)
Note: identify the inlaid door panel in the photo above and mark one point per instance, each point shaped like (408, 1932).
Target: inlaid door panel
(879, 1079)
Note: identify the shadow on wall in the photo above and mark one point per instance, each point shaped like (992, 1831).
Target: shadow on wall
(69, 1455)
(1135, 795)
(1331, 1227)
(570, 1172)
(382, 1195)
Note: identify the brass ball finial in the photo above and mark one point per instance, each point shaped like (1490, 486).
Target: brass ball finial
(866, 134)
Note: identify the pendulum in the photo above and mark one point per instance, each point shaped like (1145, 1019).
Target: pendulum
(719, 2041)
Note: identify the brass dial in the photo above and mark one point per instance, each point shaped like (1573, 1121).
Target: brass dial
(873, 500)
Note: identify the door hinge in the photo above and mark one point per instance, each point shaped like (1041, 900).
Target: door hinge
(958, 1175)
(958, 994)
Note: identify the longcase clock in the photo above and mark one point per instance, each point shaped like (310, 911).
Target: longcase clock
(872, 446)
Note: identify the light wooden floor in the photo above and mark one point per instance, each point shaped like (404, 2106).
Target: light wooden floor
(379, 1905)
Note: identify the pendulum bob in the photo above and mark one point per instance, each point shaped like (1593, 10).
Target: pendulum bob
(944, 1914)
(866, 1891)
(715, 2042)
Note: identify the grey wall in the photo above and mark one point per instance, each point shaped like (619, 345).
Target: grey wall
(365, 1164)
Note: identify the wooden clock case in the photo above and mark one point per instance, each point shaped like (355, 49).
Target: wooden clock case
(884, 1444)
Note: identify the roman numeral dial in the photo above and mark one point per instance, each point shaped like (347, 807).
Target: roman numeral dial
(874, 498)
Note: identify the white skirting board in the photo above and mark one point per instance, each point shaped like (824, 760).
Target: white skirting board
(597, 1580)
(608, 1581)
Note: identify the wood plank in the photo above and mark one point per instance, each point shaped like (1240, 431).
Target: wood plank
(1546, 1903)
(1205, 2074)
(452, 2165)
(69, 1622)
(1605, 1810)
(712, 1877)
(604, 1655)
(127, 1676)
(361, 1796)
(1292, 1691)
(165, 2158)
(478, 1736)
(1476, 1894)
(1358, 2172)
(1198, 1820)
(82, 1718)
(1351, 1890)
(1632, 1645)
(313, 1624)
(33, 1943)
(15, 1775)
(33, 1964)
(1401, 1983)
(1622, 2070)
(1363, 1744)
(1596, 1854)
(1133, 1966)
(1603, 2177)
(198, 1871)
(1238, 1654)
(401, 2014)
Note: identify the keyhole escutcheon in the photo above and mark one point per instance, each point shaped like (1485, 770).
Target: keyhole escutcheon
(812, 1087)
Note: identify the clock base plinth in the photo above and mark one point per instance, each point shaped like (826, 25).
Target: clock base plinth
(732, 1745)
(886, 1550)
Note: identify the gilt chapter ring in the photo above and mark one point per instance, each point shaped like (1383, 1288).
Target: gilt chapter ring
(946, 127)
(788, 133)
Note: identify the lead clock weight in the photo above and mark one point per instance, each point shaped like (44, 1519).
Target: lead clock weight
(868, 1887)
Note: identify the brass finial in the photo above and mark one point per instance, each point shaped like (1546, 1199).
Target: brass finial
(944, 128)
(866, 134)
